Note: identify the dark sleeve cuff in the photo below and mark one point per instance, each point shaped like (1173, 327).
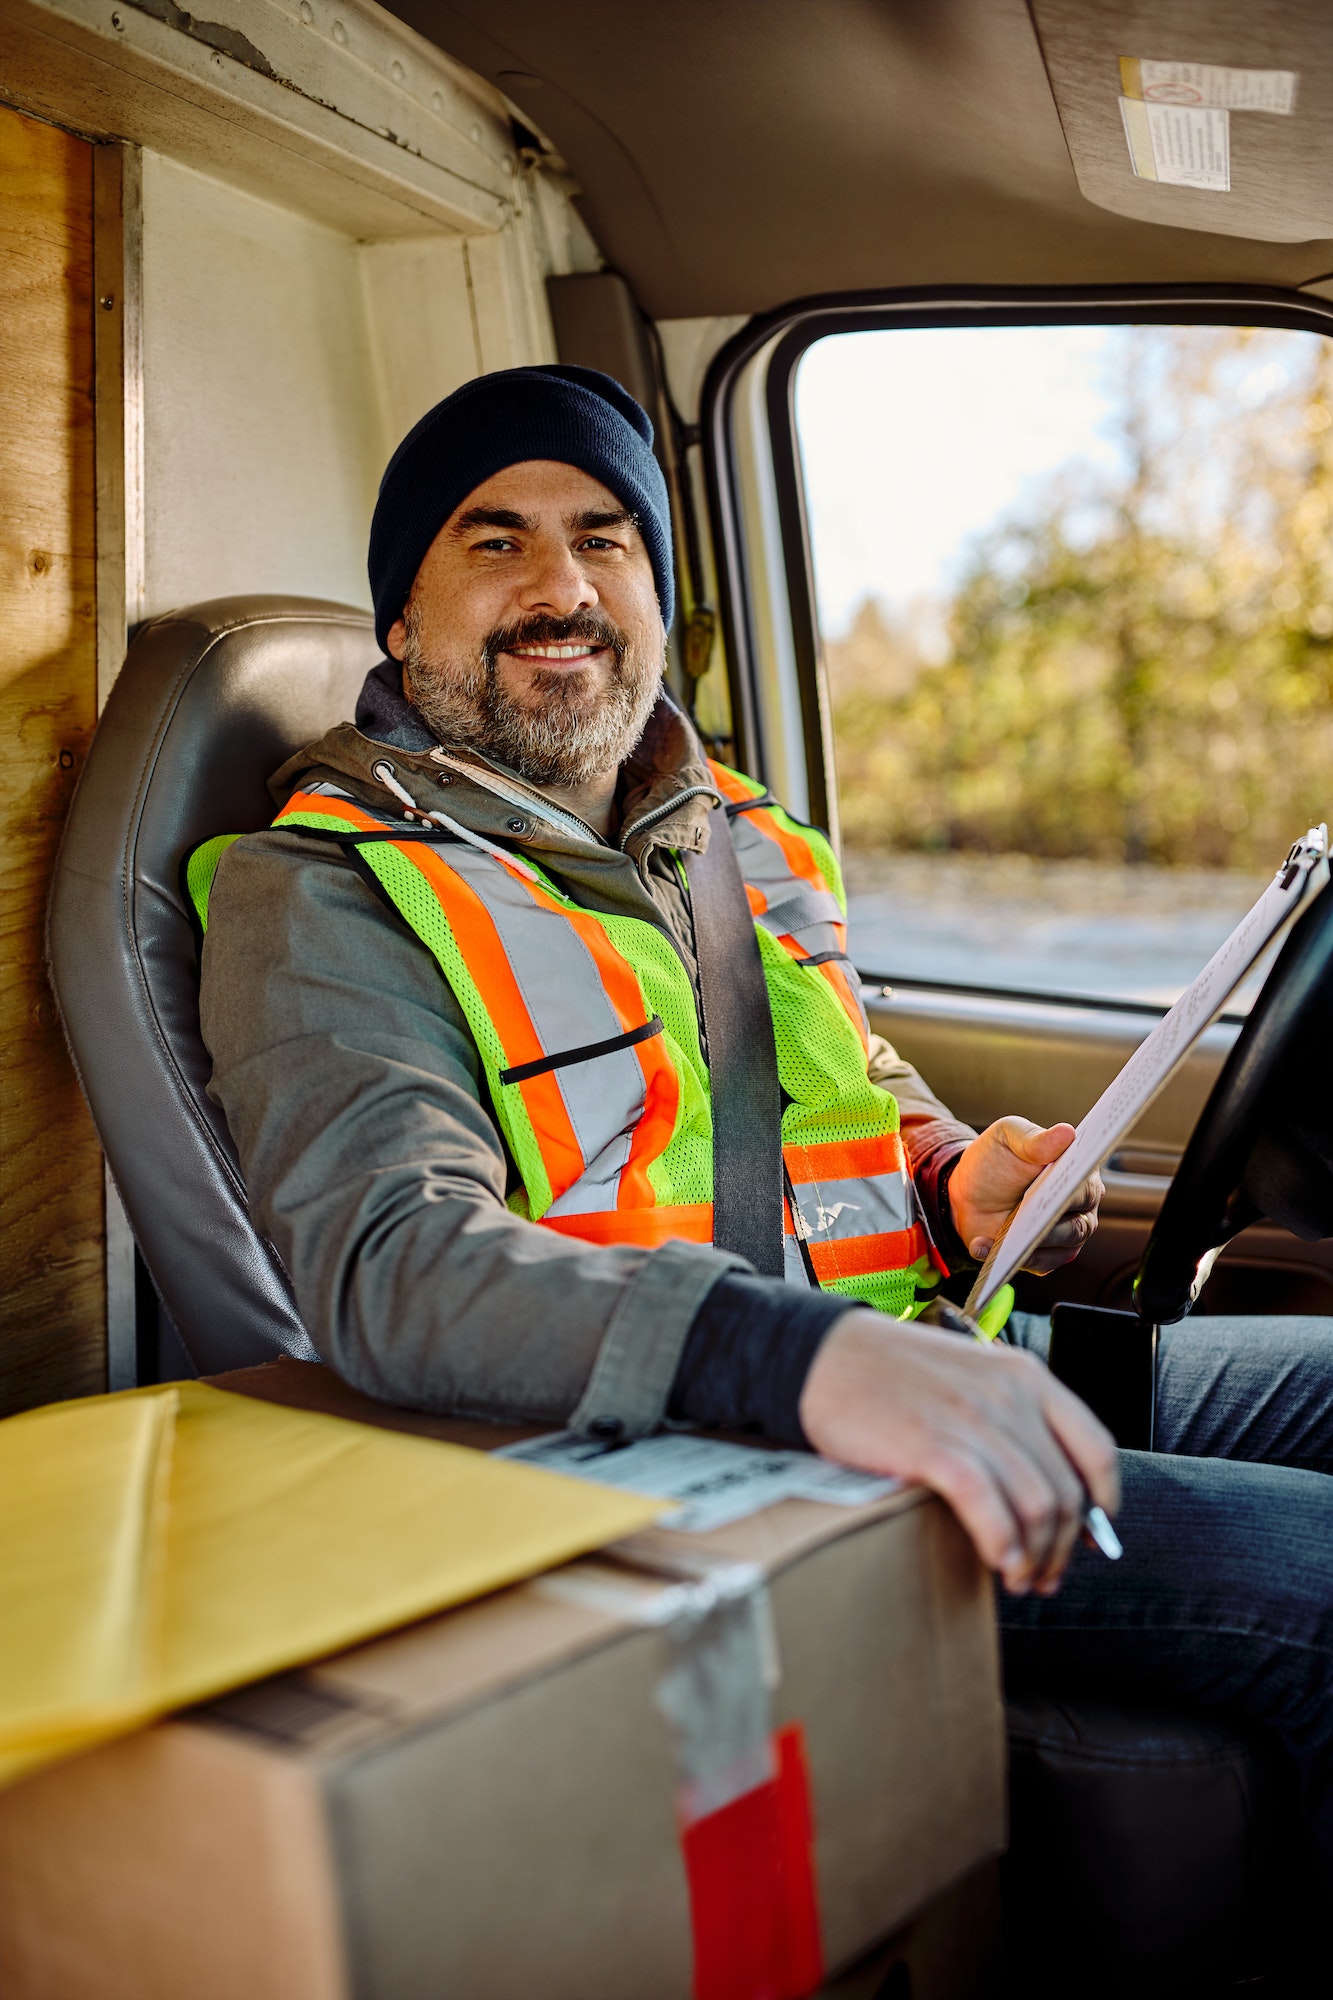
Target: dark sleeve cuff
(951, 1245)
(747, 1355)
(931, 1171)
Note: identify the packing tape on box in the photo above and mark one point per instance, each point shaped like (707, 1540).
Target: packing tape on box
(743, 1801)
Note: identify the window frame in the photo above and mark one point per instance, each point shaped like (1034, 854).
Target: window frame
(790, 331)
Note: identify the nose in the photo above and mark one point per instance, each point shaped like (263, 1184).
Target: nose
(557, 582)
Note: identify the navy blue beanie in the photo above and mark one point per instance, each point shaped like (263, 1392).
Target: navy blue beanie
(576, 416)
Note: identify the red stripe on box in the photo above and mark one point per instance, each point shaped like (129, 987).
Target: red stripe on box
(803, 1947)
(753, 1901)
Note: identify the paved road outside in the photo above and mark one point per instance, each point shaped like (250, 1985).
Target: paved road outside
(1066, 927)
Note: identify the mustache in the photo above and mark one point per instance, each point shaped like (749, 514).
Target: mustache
(581, 628)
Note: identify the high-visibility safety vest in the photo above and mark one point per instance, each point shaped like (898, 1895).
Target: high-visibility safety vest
(589, 1035)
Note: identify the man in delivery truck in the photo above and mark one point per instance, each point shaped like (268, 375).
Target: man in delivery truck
(466, 1068)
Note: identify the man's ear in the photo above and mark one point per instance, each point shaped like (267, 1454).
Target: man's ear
(397, 639)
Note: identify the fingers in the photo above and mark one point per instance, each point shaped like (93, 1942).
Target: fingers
(1046, 1501)
(963, 1478)
(1017, 1495)
(1087, 1199)
(1061, 1243)
(1087, 1443)
(1036, 1145)
(995, 1171)
(1072, 1231)
(1039, 1477)
(1009, 1448)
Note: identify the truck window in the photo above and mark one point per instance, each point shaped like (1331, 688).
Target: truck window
(1075, 594)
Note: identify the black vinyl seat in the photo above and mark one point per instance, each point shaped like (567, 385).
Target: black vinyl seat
(209, 703)
(1152, 1851)
(1137, 1838)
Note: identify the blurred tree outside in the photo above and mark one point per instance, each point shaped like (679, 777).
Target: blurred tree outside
(1139, 667)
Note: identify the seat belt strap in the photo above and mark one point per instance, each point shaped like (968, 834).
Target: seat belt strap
(742, 1059)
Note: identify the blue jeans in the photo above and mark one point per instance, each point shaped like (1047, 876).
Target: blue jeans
(1224, 1596)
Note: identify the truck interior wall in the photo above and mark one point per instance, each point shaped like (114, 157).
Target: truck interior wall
(52, 1300)
(260, 424)
(271, 362)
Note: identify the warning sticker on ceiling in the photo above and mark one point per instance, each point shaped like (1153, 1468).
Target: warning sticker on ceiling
(1183, 145)
(1208, 85)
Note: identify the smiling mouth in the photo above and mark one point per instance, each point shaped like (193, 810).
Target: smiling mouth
(547, 651)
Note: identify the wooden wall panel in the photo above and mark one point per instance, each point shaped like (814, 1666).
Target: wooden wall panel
(52, 1285)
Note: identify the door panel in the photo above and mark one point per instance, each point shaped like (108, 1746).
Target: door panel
(986, 1056)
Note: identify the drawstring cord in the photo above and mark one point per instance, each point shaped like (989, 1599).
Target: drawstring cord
(385, 773)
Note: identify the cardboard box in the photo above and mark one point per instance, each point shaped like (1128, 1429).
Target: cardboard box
(521, 1797)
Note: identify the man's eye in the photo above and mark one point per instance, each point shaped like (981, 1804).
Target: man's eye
(500, 542)
(597, 542)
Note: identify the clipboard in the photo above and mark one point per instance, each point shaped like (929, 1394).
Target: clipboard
(1304, 872)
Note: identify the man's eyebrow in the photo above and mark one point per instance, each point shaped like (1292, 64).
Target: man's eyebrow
(492, 517)
(592, 518)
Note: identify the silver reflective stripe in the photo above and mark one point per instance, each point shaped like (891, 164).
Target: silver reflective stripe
(832, 1211)
(792, 901)
(323, 788)
(793, 1264)
(563, 992)
(800, 910)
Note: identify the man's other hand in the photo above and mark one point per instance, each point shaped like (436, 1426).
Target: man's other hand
(1014, 1453)
(994, 1173)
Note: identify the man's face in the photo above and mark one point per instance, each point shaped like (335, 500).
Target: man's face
(533, 631)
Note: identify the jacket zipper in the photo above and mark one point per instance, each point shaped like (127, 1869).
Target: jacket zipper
(667, 806)
(530, 801)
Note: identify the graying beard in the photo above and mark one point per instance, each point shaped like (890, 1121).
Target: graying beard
(561, 745)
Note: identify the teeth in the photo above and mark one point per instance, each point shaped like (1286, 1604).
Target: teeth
(554, 652)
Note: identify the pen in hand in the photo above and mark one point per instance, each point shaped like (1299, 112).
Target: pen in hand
(1097, 1530)
(1099, 1534)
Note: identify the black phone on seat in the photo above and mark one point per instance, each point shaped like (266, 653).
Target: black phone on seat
(1109, 1360)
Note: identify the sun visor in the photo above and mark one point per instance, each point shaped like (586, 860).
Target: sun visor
(1201, 114)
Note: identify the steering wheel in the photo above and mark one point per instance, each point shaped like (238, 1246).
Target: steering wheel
(1263, 1145)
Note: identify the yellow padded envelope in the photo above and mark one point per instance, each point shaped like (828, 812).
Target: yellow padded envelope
(159, 1546)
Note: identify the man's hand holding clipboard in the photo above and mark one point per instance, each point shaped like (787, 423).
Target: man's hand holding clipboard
(1059, 1188)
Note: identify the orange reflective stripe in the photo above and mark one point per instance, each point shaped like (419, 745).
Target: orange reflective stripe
(757, 900)
(850, 1160)
(837, 978)
(860, 1256)
(729, 784)
(646, 1227)
(795, 852)
(661, 1085)
(479, 941)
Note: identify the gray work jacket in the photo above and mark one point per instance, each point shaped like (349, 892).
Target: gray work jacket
(356, 1097)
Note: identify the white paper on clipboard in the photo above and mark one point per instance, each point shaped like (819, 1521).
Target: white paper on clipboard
(1150, 1066)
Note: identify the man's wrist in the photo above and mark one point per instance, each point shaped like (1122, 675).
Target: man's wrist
(747, 1355)
(948, 1239)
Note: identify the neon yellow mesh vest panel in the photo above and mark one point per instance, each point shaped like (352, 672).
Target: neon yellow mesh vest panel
(588, 1034)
